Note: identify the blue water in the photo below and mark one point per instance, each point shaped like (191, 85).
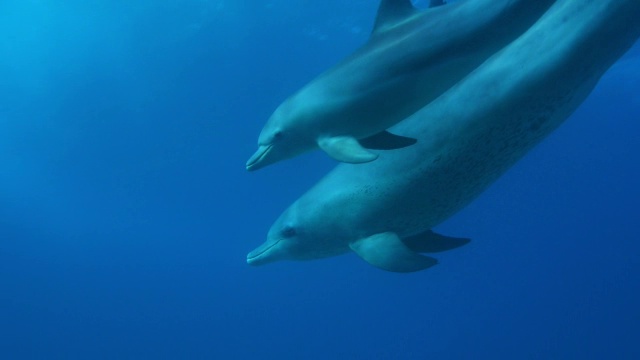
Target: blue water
(126, 213)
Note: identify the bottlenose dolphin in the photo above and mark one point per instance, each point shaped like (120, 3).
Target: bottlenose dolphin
(481, 127)
(411, 58)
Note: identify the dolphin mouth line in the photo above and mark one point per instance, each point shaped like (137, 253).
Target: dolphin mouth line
(258, 157)
(255, 256)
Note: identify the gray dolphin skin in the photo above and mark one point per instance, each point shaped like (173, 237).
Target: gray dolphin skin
(383, 210)
(412, 57)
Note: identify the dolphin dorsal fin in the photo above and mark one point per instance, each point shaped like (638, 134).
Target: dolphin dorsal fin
(391, 12)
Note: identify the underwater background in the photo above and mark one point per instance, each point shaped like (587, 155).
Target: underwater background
(126, 211)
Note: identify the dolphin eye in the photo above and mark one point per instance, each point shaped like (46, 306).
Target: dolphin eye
(288, 231)
(277, 135)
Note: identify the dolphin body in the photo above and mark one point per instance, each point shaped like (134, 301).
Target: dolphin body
(383, 210)
(412, 57)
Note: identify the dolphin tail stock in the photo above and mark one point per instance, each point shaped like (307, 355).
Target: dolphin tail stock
(387, 252)
(431, 242)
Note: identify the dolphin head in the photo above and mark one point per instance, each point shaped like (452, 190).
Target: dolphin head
(296, 236)
(283, 137)
(283, 243)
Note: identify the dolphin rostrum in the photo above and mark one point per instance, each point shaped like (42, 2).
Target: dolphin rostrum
(412, 57)
(477, 130)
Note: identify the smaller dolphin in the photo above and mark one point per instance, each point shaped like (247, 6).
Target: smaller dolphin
(412, 57)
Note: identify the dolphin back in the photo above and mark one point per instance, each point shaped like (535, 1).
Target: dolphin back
(476, 131)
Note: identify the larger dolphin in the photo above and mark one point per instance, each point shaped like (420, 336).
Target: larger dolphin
(477, 131)
(411, 58)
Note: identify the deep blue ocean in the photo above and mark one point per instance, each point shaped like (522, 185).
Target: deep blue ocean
(126, 212)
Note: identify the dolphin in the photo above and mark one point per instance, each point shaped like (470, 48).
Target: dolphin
(412, 57)
(384, 210)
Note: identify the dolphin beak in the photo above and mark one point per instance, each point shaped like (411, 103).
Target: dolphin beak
(256, 161)
(259, 256)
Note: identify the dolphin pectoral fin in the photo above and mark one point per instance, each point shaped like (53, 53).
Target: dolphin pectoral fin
(386, 141)
(346, 149)
(430, 242)
(387, 252)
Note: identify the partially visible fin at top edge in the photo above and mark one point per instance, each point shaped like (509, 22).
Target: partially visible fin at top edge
(434, 3)
(393, 11)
